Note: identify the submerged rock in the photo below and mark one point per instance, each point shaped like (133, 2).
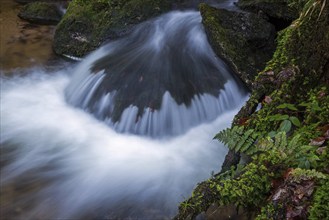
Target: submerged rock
(244, 40)
(41, 13)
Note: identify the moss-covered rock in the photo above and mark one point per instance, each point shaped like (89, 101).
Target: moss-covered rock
(291, 128)
(244, 40)
(30, 1)
(278, 12)
(89, 23)
(41, 13)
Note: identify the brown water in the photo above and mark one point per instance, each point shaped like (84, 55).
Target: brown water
(22, 44)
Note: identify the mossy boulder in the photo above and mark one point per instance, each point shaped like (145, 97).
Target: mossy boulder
(278, 12)
(244, 40)
(294, 85)
(41, 13)
(303, 48)
(30, 1)
(87, 24)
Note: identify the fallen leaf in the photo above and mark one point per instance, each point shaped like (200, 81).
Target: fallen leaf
(317, 141)
(268, 99)
(326, 134)
(269, 73)
(322, 94)
(281, 194)
(291, 213)
(320, 150)
(243, 121)
(288, 172)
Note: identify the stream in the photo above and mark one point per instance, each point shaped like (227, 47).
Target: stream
(66, 155)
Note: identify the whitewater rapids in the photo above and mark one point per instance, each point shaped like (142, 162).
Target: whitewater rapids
(60, 162)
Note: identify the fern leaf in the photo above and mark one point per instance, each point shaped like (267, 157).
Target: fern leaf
(293, 144)
(280, 141)
(243, 143)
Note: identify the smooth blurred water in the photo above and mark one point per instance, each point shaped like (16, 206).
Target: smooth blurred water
(60, 162)
(159, 81)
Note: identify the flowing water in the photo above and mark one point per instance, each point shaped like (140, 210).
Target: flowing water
(64, 156)
(160, 81)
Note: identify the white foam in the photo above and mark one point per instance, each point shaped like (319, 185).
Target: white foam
(92, 166)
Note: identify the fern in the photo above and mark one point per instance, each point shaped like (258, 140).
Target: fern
(292, 151)
(280, 141)
(248, 142)
(237, 139)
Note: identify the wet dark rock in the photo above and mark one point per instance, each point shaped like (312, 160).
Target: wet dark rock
(215, 212)
(279, 13)
(231, 159)
(244, 40)
(41, 13)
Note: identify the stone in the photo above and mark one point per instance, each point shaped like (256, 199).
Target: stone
(244, 40)
(41, 13)
(279, 12)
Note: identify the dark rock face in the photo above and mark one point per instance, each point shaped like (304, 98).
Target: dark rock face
(244, 40)
(279, 13)
(41, 13)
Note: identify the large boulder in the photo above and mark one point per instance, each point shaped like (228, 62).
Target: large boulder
(244, 40)
(29, 1)
(41, 13)
(87, 24)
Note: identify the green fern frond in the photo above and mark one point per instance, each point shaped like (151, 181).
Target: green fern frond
(280, 141)
(238, 139)
(293, 144)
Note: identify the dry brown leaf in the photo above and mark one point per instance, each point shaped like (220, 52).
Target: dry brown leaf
(268, 99)
(317, 141)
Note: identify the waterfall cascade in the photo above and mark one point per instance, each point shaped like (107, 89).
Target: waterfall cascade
(59, 162)
(160, 81)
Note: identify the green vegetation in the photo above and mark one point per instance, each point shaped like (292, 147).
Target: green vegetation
(285, 143)
(247, 188)
(238, 139)
(320, 207)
